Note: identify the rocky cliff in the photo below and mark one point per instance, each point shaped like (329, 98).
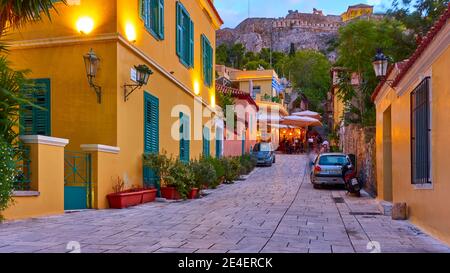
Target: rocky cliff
(308, 32)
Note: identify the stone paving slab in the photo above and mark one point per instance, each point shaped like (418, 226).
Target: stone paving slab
(275, 210)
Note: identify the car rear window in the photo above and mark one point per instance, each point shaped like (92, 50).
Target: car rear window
(333, 160)
(263, 147)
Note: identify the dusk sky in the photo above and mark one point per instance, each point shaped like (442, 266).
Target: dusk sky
(235, 11)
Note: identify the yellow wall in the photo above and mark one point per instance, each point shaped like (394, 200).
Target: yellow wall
(130, 114)
(428, 208)
(266, 88)
(164, 52)
(355, 13)
(75, 113)
(338, 109)
(47, 175)
(105, 173)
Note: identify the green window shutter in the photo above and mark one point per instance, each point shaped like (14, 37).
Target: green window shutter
(188, 139)
(204, 55)
(181, 137)
(36, 120)
(207, 52)
(161, 19)
(206, 142)
(210, 63)
(154, 10)
(151, 123)
(179, 35)
(191, 43)
(147, 13)
(142, 9)
(184, 137)
(151, 136)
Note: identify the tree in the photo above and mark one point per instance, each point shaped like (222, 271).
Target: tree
(357, 44)
(418, 15)
(254, 65)
(13, 14)
(222, 54)
(236, 55)
(310, 72)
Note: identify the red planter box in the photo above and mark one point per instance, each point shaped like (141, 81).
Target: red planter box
(170, 193)
(131, 198)
(149, 196)
(193, 194)
(123, 200)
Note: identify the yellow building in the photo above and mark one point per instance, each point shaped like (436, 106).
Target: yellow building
(262, 84)
(357, 11)
(266, 89)
(413, 129)
(338, 107)
(121, 121)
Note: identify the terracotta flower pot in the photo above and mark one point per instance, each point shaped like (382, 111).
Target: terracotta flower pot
(193, 194)
(123, 200)
(170, 193)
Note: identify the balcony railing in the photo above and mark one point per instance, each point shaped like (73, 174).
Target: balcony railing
(23, 166)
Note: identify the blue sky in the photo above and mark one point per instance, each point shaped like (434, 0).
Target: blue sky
(235, 11)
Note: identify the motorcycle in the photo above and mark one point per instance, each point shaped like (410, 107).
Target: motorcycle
(351, 181)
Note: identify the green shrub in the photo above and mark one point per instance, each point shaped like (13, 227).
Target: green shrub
(181, 177)
(232, 168)
(8, 173)
(160, 164)
(248, 164)
(204, 173)
(219, 169)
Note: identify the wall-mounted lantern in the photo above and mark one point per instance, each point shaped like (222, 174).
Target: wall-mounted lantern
(91, 62)
(143, 73)
(380, 66)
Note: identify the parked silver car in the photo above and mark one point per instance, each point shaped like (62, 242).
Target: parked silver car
(327, 169)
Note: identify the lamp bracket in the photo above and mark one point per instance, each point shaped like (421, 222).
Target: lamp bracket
(390, 83)
(132, 87)
(97, 89)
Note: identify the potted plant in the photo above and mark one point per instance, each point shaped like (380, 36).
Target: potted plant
(179, 182)
(220, 172)
(161, 164)
(204, 174)
(121, 198)
(232, 169)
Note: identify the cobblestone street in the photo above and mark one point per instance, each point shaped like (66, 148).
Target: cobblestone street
(275, 210)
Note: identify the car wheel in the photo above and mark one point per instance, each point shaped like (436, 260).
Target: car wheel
(274, 160)
(317, 187)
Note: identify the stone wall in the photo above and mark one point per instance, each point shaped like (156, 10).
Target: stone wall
(361, 142)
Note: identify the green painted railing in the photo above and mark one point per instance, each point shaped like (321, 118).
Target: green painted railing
(23, 165)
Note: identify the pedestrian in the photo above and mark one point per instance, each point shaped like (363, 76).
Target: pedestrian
(326, 146)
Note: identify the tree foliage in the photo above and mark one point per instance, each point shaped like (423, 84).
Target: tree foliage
(310, 72)
(357, 45)
(237, 57)
(15, 13)
(418, 15)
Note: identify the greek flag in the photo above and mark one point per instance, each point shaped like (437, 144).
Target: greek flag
(277, 86)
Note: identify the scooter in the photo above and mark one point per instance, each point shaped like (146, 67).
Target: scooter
(351, 181)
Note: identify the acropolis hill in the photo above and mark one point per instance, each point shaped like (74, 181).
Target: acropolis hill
(305, 30)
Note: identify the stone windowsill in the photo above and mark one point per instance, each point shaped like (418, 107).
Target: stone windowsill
(26, 194)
